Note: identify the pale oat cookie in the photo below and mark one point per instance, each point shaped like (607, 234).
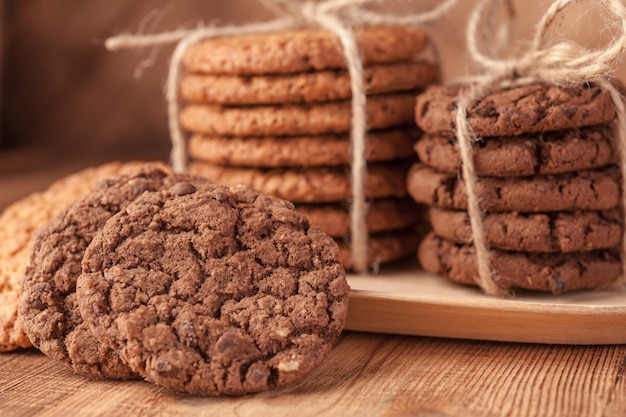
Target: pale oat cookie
(300, 50)
(548, 272)
(383, 248)
(309, 185)
(307, 87)
(383, 112)
(213, 290)
(300, 151)
(19, 221)
(383, 215)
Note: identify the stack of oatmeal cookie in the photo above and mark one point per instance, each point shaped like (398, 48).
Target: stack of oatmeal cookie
(548, 186)
(273, 111)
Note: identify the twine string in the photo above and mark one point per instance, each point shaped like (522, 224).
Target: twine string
(563, 63)
(336, 16)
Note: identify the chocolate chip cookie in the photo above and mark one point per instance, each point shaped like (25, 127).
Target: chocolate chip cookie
(18, 223)
(534, 232)
(542, 153)
(553, 272)
(213, 290)
(581, 190)
(383, 112)
(517, 110)
(310, 185)
(48, 308)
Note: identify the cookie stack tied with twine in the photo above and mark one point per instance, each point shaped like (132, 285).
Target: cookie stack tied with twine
(539, 145)
(288, 134)
(307, 109)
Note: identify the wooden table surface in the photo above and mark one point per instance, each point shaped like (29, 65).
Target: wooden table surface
(366, 374)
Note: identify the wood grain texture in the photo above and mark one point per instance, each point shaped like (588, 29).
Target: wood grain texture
(365, 375)
(407, 300)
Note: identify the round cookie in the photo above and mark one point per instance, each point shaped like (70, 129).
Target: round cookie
(383, 248)
(382, 216)
(309, 185)
(540, 232)
(48, 308)
(583, 190)
(539, 154)
(383, 112)
(516, 110)
(307, 87)
(19, 221)
(275, 152)
(554, 272)
(303, 50)
(211, 290)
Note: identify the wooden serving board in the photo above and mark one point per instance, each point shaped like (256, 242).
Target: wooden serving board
(407, 300)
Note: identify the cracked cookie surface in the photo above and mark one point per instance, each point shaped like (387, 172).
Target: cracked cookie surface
(214, 290)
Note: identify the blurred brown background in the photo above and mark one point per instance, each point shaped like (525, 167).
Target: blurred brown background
(67, 102)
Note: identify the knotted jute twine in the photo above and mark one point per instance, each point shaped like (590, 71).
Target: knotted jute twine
(564, 63)
(336, 16)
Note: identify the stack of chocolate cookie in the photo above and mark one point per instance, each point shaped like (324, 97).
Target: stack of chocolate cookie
(273, 111)
(548, 186)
